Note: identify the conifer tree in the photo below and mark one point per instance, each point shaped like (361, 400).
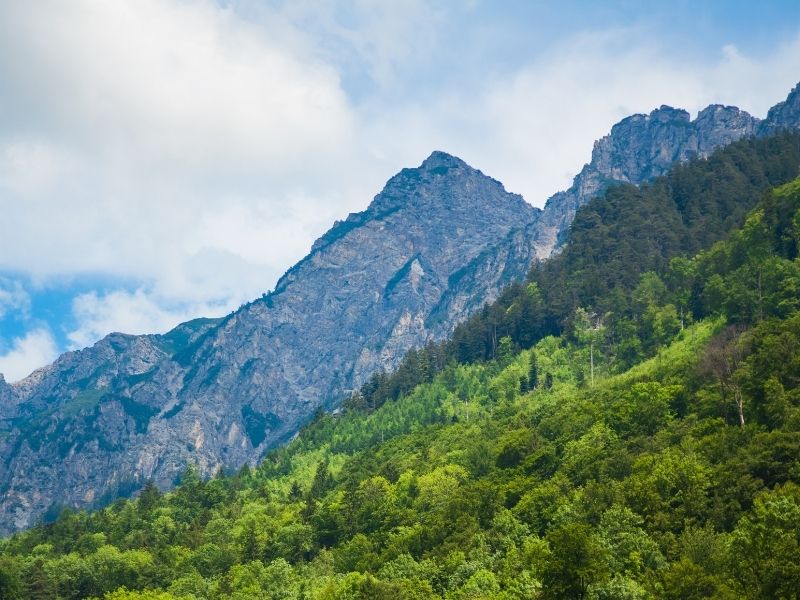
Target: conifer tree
(533, 371)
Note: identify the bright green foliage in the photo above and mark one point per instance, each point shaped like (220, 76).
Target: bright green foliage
(676, 475)
(765, 546)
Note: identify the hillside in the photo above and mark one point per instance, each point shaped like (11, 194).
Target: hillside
(558, 471)
(103, 420)
(430, 250)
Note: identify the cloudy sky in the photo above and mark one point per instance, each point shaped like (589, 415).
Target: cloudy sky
(167, 159)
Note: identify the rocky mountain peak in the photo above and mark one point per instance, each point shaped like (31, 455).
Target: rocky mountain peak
(718, 125)
(443, 183)
(784, 115)
(439, 160)
(436, 243)
(441, 177)
(666, 113)
(644, 146)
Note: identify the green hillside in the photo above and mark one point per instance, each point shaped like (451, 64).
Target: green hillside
(625, 430)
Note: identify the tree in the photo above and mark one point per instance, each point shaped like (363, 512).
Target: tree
(505, 350)
(577, 561)
(295, 492)
(684, 580)
(10, 584)
(765, 546)
(37, 585)
(533, 371)
(148, 498)
(680, 279)
(322, 480)
(589, 330)
(723, 357)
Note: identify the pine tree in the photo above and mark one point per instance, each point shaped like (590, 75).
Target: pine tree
(148, 498)
(533, 371)
(548, 381)
(322, 480)
(296, 492)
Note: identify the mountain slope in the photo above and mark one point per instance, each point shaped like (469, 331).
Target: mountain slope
(430, 250)
(101, 421)
(616, 244)
(645, 483)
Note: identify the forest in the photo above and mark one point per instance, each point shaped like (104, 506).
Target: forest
(625, 424)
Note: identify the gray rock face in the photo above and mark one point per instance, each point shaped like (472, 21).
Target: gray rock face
(9, 400)
(640, 148)
(784, 115)
(436, 244)
(433, 246)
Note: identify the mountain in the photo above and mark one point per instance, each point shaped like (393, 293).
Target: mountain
(433, 247)
(551, 472)
(9, 399)
(642, 147)
(101, 421)
(620, 245)
(784, 115)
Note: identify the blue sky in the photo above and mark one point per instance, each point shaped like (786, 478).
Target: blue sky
(167, 159)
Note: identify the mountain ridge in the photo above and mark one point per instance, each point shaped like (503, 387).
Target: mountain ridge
(433, 246)
(222, 392)
(641, 147)
(550, 468)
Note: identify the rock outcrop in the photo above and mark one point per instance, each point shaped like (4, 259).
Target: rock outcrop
(640, 148)
(784, 115)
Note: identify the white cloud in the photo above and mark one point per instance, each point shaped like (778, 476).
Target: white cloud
(137, 312)
(197, 150)
(27, 353)
(13, 298)
(534, 129)
(167, 85)
(133, 124)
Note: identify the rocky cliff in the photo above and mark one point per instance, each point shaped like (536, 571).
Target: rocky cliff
(784, 115)
(436, 244)
(642, 147)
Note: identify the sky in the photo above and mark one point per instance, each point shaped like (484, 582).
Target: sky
(162, 160)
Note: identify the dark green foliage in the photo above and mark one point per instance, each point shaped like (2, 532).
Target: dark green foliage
(533, 372)
(577, 561)
(10, 583)
(548, 381)
(631, 231)
(148, 498)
